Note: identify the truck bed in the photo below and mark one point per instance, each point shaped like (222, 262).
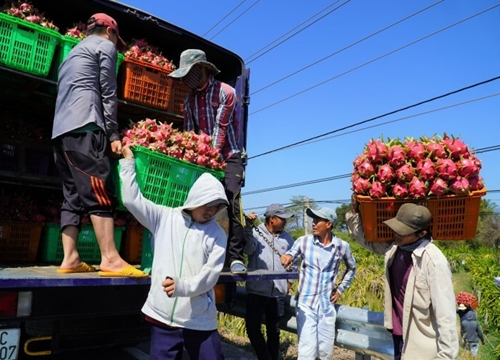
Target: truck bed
(26, 277)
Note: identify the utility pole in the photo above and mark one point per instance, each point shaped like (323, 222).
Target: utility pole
(307, 226)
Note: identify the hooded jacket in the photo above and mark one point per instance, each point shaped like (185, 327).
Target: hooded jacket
(190, 253)
(429, 320)
(469, 327)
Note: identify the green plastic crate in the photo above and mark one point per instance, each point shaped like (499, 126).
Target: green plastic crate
(67, 43)
(51, 249)
(26, 46)
(163, 179)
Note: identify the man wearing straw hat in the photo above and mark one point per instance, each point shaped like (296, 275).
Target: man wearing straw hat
(210, 107)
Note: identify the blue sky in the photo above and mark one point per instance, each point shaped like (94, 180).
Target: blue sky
(360, 88)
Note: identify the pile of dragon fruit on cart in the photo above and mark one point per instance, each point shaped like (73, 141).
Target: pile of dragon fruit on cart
(416, 168)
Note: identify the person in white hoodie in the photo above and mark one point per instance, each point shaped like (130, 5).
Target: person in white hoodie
(189, 253)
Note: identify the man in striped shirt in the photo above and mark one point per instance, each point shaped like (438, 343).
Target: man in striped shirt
(210, 107)
(321, 254)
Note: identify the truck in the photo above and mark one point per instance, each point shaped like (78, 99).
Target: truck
(43, 312)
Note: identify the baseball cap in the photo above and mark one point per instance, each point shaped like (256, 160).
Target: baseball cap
(462, 307)
(323, 213)
(277, 210)
(409, 219)
(102, 19)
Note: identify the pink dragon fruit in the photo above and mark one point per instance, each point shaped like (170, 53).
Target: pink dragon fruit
(417, 188)
(376, 151)
(405, 173)
(366, 169)
(476, 183)
(439, 187)
(396, 156)
(426, 169)
(361, 186)
(468, 167)
(414, 150)
(446, 169)
(378, 190)
(400, 190)
(385, 173)
(455, 147)
(436, 150)
(460, 186)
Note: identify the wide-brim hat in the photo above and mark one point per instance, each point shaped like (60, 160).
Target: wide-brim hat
(192, 57)
(462, 307)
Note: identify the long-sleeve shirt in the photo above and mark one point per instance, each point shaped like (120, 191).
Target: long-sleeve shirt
(262, 256)
(87, 89)
(319, 269)
(212, 110)
(429, 320)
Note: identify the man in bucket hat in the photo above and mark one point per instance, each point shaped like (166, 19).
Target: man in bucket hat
(321, 254)
(419, 307)
(211, 107)
(84, 133)
(265, 245)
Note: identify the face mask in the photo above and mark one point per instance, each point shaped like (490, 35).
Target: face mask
(193, 78)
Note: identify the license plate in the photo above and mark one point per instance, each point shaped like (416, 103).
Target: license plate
(9, 343)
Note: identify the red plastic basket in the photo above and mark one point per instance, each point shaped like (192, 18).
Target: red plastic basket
(145, 84)
(453, 217)
(19, 241)
(179, 93)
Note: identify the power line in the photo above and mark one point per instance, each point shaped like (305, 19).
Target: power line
(346, 47)
(338, 177)
(240, 15)
(229, 13)
(298, 32)
(401, 119)
(376, 59)
(378, 116)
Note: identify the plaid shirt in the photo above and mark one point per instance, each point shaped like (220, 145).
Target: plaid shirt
(212, 110)
(319, 269)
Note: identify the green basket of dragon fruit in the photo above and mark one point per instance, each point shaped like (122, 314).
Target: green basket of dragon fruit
(168, 161)
(441, 173)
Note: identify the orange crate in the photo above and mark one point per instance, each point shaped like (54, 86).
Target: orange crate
(131, 249)
(453, 217)
(19, 241)
(145, 84)
(179, 93)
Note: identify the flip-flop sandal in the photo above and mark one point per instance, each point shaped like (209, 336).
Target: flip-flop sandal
(129, 271)
(83, 268)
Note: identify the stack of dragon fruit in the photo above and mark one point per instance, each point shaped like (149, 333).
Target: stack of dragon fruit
(468, 299)
(182, 145)
(416, 169)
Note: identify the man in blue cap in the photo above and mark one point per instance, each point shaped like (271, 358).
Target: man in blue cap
(321, 254)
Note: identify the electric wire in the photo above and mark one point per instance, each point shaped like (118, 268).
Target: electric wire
(400, 119)
(296, 33)
(343, 176)
(240, 15)
(377, 117)
(376, 59)
(347, 47)
(221, 20)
